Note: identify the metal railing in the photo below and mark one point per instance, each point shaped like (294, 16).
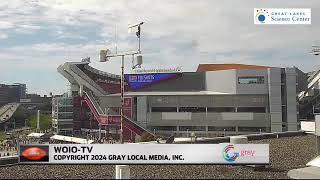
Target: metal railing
(101, 113)
(94, 103)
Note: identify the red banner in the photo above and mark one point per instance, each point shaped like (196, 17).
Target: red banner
(127, 109)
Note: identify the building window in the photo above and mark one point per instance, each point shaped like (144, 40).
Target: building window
(214, 128)
(164, 109)
(252, 109)
(163, 128)
(251, 80)
(221, 109)
(66, 109)
(192, 128)
(65, 116)
(65, 126)
(192, 109)
(252, 129)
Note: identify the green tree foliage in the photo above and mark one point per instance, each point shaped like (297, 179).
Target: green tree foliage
(45, 121)
(2, 136)
(21, 113)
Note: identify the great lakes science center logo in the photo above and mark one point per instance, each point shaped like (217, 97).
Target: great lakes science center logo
(261, 15)
(282, 16)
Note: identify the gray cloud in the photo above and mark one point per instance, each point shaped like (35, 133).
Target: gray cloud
(176, 32)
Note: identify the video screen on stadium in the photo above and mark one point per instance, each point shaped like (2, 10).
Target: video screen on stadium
(171, 89)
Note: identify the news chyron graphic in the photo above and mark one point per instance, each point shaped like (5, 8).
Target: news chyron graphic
(34, 153)
(282, 16)
(145, 154)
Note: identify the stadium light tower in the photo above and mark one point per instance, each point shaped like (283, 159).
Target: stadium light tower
(106, 54)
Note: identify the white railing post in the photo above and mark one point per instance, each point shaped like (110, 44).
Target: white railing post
(122, 172)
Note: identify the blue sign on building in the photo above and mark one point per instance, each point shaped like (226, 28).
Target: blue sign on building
(137, 81)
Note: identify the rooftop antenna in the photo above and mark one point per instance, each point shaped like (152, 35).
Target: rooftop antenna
(138, 25)
(105, 55)
(116, 38)
(138, 33)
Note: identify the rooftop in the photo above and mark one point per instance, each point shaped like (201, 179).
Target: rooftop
(218, 67)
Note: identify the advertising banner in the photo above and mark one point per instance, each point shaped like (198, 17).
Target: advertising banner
(127, 109)
(145, 154)
(137, 81)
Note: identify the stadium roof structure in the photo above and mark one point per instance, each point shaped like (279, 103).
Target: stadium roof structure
(218, 67)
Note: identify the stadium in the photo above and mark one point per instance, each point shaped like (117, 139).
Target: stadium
(215, 100)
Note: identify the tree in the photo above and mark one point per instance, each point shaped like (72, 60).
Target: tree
(2, 136)
(21, 113)
(45, 121)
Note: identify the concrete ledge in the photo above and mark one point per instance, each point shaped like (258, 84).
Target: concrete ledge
(250, 137)
(275, 135)
(8, 160)
(216, 140)
(305, 173)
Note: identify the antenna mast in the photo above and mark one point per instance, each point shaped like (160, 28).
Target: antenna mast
(116, 39)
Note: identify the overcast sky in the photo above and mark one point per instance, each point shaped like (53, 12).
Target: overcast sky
(38, 35)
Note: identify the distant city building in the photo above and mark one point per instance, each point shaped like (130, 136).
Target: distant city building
(37, 102)
(62, 114)
(12, 93)
(36, 99)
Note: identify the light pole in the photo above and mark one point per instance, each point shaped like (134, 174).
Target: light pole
(106, 54)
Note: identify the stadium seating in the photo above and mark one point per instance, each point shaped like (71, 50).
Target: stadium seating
(110, 83)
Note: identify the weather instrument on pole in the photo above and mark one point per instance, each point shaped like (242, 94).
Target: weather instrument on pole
(138, 33)
(106, 54)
